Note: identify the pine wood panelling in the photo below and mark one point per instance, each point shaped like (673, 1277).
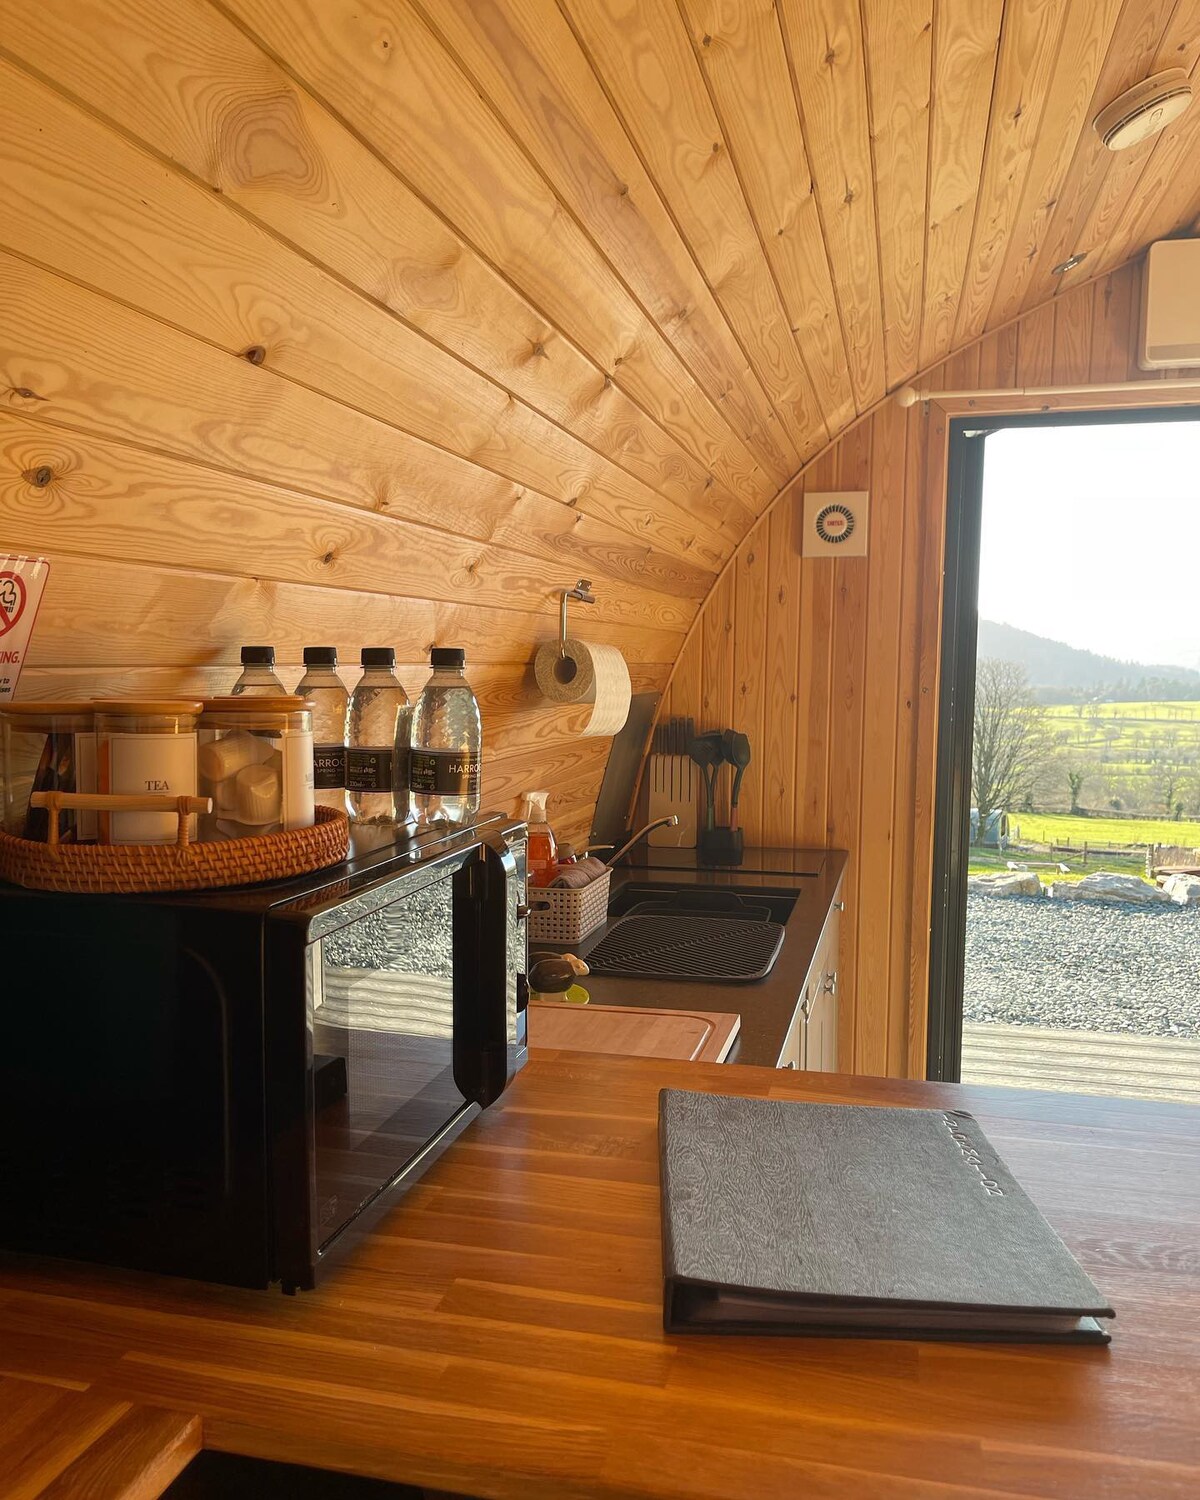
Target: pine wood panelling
(382, 324)
(521, 55)
(1135, 43)
(846, 758)
(446, 140)
(965, 42)
(1086, 36)
(898, 36)
(1029, 49)
(649, 70)
(739, 45)
(825, 49)
(264, 143)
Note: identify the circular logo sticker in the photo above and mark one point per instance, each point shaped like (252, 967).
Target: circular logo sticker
(12, 600)
(835, 523)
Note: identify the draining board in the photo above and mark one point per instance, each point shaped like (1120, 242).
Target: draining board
(700, 948)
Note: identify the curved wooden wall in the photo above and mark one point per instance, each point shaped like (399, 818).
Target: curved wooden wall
(830, 665)
(380, 324)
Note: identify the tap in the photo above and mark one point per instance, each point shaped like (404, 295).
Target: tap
(670, 821)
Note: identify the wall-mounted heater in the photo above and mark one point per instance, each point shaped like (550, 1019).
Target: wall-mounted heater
(1170, 332)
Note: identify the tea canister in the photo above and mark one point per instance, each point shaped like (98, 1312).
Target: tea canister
(256, 763)
(47, 747)
(145, 746)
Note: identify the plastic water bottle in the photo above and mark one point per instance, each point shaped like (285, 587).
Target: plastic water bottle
(322, 686)
(447, 744)
(258, 677)
(377, 750)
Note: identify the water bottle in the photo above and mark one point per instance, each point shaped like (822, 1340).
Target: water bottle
(377, 749)
(447, 743)
(325, 690)
(258, 679)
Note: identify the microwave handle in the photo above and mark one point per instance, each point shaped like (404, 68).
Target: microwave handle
(482, 1056)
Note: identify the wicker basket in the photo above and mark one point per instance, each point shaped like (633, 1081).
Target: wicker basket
(107, 869)
(570, 914)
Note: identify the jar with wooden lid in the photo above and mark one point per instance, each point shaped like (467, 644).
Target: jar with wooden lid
(145, 745)
(47, 747)
(256, 763)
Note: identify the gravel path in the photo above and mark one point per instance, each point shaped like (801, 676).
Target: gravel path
(1084, 966)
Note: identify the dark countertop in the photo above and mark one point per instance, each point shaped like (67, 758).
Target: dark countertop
(767, 1006)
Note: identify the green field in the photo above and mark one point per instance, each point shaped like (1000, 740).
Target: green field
(1134, 757)
(1108, 833)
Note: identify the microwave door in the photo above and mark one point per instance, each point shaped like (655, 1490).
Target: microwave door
(486, 944)
(412, 1009)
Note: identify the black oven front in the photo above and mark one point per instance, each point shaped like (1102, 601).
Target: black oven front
(412, 1021)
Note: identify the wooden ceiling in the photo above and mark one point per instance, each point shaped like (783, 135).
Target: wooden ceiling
(638, 258)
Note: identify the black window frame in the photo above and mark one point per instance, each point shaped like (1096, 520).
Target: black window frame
(956, 702)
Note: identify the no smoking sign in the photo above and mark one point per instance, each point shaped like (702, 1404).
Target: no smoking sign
(22, 580)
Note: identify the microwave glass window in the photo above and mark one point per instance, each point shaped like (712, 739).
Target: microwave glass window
(382, 1036)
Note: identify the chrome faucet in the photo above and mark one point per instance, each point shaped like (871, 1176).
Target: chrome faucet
(670, 821)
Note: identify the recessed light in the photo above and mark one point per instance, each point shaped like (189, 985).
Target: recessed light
(1069, 264)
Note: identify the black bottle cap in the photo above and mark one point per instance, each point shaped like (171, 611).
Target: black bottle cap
(258, 656)
(447, 656)
(320, 656)
(378, 656)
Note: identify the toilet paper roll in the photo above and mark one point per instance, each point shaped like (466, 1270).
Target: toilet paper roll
(587, 674)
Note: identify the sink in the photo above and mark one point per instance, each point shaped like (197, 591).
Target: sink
(773, 906)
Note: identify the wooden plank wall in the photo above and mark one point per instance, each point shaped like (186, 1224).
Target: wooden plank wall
(830, 666)
(270, 372)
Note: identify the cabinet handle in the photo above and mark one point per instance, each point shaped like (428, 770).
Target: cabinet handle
(831, 983)
(839, 906)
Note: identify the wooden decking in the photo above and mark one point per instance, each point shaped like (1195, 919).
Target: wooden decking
(1083, 1062)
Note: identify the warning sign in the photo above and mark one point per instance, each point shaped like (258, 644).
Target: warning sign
(22, 580)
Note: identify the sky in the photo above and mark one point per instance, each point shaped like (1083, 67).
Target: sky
(1091, 535)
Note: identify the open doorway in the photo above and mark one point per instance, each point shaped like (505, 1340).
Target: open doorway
(1066, 922)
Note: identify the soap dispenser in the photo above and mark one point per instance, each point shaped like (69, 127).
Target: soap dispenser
(541, 854)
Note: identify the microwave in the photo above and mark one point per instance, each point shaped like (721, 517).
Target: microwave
(233, 1085)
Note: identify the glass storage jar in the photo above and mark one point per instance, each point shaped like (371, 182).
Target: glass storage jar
(256, 763)
(47, 747)
(145, 745)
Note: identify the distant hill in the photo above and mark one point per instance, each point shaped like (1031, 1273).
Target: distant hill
(1064, 674)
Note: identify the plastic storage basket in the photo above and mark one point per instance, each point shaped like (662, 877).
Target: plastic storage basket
(566, 916)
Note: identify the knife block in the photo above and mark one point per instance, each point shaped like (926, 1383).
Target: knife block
(675, 787)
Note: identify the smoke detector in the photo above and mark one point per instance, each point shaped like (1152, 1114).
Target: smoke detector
(1144, 110)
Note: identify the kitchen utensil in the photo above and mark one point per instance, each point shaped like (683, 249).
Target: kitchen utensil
(737, 752)
(705, 750)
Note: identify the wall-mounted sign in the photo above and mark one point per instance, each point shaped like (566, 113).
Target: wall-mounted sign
(835, 524)
(22, 580)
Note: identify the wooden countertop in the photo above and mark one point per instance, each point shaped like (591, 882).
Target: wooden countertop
(500, 1335)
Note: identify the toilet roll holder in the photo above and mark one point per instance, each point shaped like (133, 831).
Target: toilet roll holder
(583, 592)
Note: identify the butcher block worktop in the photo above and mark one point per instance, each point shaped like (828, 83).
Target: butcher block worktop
(500, 1335)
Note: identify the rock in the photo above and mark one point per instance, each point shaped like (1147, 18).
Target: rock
(1107, 885)
(1184, 890)
(1017, 883)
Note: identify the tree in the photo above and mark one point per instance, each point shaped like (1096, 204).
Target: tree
(1075, 780)
(1011, 741)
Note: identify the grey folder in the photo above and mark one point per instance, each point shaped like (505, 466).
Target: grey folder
(846, 1220)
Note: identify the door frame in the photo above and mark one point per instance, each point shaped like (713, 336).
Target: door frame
(966, 438)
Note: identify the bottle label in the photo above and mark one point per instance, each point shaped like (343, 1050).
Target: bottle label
(369, 768)
(444, 773)
(329, 767)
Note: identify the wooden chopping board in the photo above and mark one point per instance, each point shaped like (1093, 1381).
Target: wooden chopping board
(685, 1035)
